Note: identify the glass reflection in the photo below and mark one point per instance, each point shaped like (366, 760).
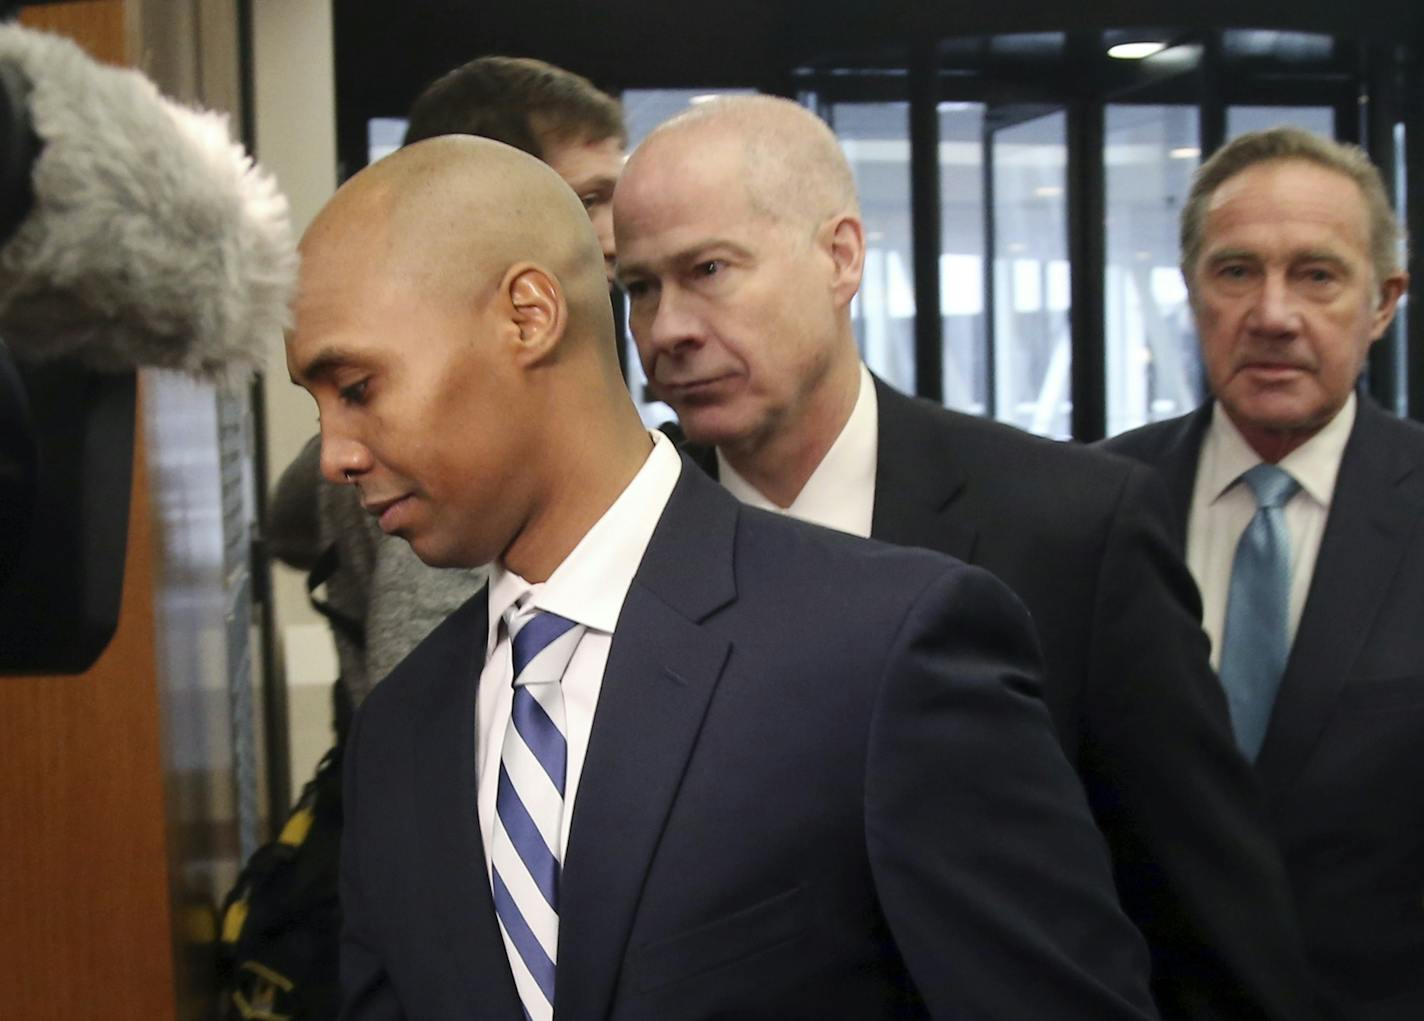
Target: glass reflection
(875, 138)
(961, 262)
(1241, 119)
(1032, 346)
(1153, 369)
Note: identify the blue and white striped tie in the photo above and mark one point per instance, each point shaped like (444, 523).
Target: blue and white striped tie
(525, 855)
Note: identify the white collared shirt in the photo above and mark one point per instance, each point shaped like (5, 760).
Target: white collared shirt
(1221, 509)
(840, 493)
(589, 587)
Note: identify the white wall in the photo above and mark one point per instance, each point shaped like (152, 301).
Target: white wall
(295, 108)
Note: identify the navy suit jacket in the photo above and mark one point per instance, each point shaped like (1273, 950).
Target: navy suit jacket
(1342, 765)
(1079, 537)
(821, 783)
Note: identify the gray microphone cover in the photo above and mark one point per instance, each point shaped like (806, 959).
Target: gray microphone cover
(154, 238)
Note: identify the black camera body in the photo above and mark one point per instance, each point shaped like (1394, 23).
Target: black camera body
(66, 466)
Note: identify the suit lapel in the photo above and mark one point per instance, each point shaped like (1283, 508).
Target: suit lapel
(662, 669)
(445, 805)
(916, 481)
(1360, 552)
(1177, 465)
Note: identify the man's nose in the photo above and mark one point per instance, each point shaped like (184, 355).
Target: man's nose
(670, 327)
(1275, 311)
(343, 458)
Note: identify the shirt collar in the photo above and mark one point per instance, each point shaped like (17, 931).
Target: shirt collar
(847, 468)
(1315, 464)
(589, 587)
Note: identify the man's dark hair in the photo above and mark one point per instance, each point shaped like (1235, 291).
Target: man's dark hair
(519, 101)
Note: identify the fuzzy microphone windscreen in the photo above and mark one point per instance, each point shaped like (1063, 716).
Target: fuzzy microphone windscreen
(154, 239)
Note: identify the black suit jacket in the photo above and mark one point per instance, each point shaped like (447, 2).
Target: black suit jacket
(1079, 536)
(820, 784)
(1342, 765)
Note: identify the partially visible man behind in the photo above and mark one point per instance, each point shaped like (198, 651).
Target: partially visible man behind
(741, 247)
(552, 114)
(682, 758)
(384, 599)
(1299, 503)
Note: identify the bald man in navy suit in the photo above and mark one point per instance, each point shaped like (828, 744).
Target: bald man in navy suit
(778, 772)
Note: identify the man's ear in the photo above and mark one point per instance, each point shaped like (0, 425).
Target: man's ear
(1189, 282)
(1391, 290)
(844, 240)
(537, 310)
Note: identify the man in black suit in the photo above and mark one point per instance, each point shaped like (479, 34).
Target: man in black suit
(745, 767)
(1291, 257)
(740, 247)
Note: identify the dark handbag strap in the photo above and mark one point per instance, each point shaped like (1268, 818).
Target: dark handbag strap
(353, 630)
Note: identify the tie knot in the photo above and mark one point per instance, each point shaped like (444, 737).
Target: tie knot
(541, 643)
(1271, 484)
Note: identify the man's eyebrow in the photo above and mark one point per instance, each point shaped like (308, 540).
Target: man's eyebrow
(597, 181)
(1320, 255)
(690, 254)
(322, 364)
(1230, 254)
(1302, 255)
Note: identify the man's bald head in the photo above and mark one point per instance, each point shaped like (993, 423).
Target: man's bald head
(450, 215)
(453, 324)
(791, 163)
(741, 248)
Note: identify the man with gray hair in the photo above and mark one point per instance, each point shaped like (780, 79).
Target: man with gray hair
(1299, 503)
(741, 246)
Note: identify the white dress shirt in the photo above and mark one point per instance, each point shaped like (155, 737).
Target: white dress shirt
(840, 493)
(589, 588)
(1221, 509)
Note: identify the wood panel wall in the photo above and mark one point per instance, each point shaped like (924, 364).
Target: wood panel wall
(85, 928)
(96, 25)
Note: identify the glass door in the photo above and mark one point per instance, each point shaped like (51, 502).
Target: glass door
(875, 137)
(1152, 367)
(1030, 342)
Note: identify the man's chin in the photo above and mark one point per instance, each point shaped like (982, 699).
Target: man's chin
(429, 552)
(1284, 409)
(434, 553)
(711, 426)
(1274, 426)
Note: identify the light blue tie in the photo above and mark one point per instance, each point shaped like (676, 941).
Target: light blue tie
(525, 856)
(1256, 641)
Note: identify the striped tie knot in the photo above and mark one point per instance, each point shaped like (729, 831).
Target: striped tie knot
(542, 641)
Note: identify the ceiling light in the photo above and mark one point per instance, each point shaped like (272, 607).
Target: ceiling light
(1186, 152)
(1135, 51)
